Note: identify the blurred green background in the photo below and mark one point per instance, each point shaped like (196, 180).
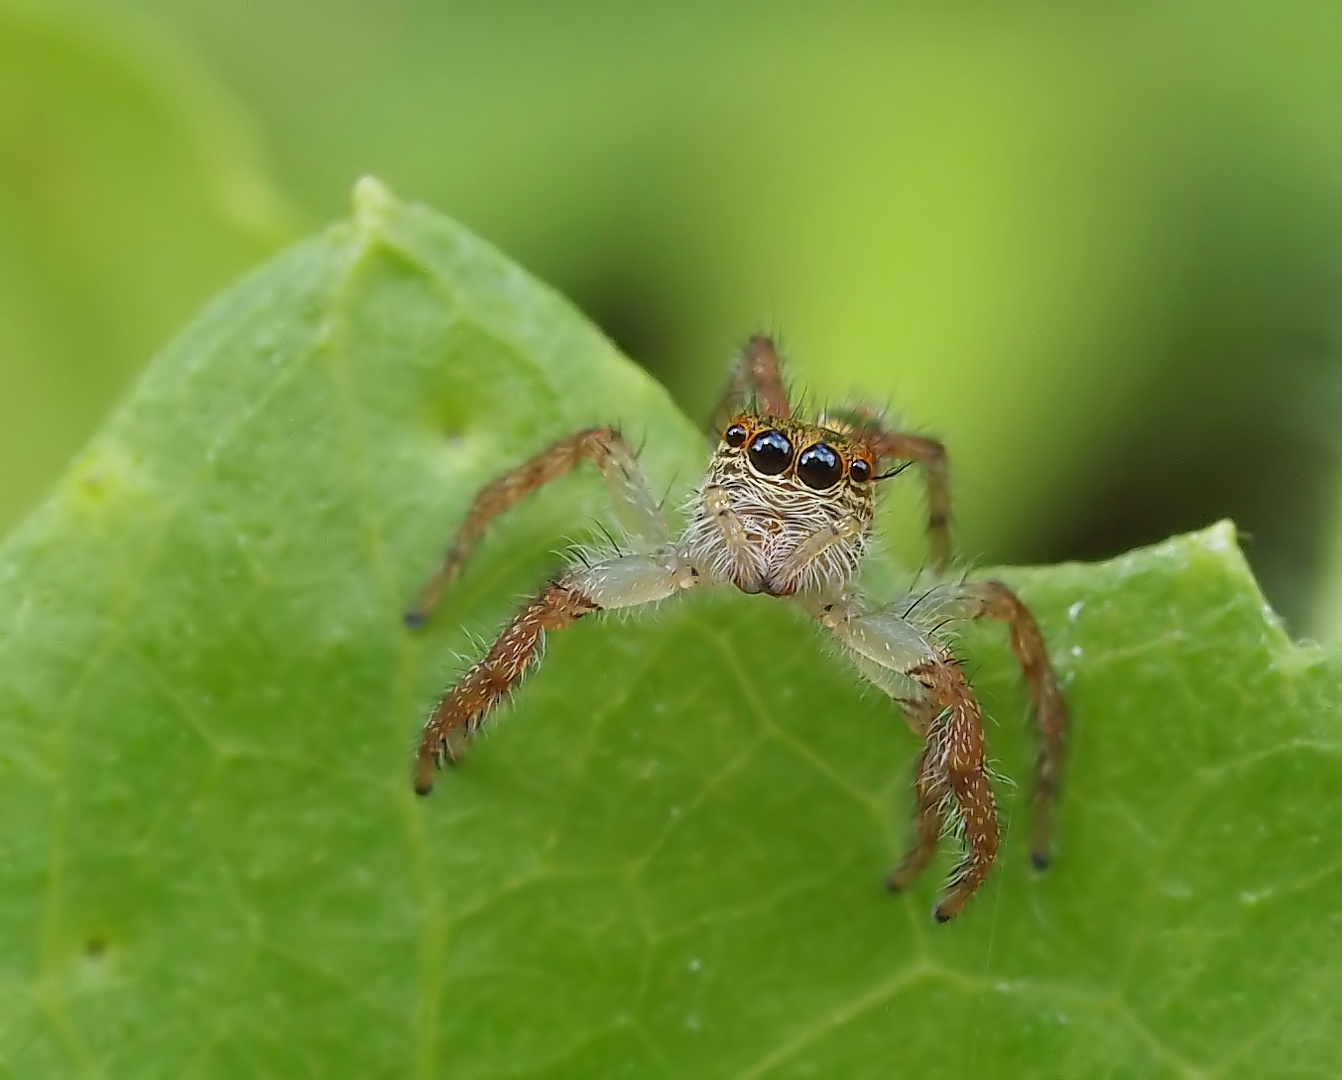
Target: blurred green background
(1098, 250)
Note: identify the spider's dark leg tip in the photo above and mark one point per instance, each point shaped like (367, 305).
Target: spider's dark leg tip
(941, 916)
(424, 777)
(893, 884)
(415, 619)
(1040, 859)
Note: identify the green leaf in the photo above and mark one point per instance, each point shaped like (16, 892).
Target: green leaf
(667, 858)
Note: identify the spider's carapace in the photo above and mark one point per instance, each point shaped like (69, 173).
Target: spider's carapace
(785, 508)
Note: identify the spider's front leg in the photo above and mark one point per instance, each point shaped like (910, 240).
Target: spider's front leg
(638, 511)
(994, 600)
(931, 454)
(758, 372)
(624, 581)
(952, 780)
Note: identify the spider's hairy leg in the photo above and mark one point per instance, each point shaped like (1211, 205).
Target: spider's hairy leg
(956, 758)
(638, 510)
(952, 777)
(623, 581)
(931, 793)
(994, 600)
(931, 454)
(758, 370)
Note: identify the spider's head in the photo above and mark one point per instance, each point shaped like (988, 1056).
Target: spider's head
(793, 455)
(786, 506)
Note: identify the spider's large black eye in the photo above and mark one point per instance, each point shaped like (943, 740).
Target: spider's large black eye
(735, 435)
(770, 452)
(860, 470)
(820, 466)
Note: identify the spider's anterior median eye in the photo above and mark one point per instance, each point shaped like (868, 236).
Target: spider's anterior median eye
(771, 453)
(860, 470)
(735, 435)
(820, 466)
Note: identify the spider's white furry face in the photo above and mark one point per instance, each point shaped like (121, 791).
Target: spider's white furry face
(786, 507)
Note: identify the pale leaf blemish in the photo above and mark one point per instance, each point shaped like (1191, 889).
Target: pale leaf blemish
(101, 475)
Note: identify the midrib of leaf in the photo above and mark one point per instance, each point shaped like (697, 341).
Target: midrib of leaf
(434, 930)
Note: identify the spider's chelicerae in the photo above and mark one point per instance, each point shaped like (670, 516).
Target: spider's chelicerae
(785, 509)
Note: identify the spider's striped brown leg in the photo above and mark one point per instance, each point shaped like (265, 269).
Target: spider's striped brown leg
(634, 503)
(488, 682)
(930, 794)
(931, 454)
(994, 600)
(957, 759)
(624, 581)
(952, 779)
(758, 371)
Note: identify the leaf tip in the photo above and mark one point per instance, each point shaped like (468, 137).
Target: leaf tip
(372, 200)
(1221, 536)
(1220, 541)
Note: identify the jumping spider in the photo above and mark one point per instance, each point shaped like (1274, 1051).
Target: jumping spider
(785, 509)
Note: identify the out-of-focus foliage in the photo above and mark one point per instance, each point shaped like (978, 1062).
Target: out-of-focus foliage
(1094, 247)
(129, 190)
(667, 859)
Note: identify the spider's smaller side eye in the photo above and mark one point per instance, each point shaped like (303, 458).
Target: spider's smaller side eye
(860, 470)
(820, 466)
(770, 452)
(735, 435)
